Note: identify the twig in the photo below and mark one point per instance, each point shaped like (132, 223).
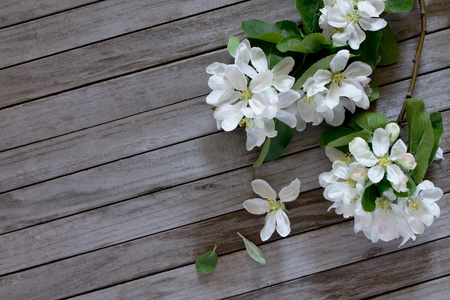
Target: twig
(423, 31)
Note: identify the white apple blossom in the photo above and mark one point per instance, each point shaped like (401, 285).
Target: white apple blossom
(276, 217)
(344, 21)
(380, 162)
(252, 96)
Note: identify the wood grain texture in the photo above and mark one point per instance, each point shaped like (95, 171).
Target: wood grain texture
(310, 250)
(369, 277)
(160, 252)
(438, 289)
(137, 134)
(134, 52)
(14, 12)
(93, 23)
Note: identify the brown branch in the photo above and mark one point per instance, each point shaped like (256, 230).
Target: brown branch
(423, 31)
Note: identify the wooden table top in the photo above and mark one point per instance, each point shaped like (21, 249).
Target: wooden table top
(114, 177)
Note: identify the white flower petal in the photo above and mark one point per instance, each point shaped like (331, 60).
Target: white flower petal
(356, 36)
(259, 59)
(269, 227)
(217, 82)
(284, 67)
(287, 118)
(215, 68)
(398, 150)
(263, 189)
(258, 103)
(283, 82)
(352, 92)
(372, 24)
(290, 192)
(235, 76)
(360, 150)
(218, 96)
(340, 169)
(242, 56)
(283, 224)
(358, 70)
(380, 142)
(339, 62)
(256, 206)
(261, 82)
(373, 9)
(287, 98)
(395, 174)
(334, 154)
(376, 173)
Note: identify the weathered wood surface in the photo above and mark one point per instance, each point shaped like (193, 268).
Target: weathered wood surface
(114, 178)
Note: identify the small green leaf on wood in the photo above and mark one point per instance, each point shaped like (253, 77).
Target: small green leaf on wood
(232, 46)
(253, 251)
(396, 6)
(388, 50)
(369, 198)
(207, 262)
(438, 129)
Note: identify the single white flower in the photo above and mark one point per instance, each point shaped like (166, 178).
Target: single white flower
(380, 162)
(338, 82)
(421, 207)
(276, 217)
(351, 18)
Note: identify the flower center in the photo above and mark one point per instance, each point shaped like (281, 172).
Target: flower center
(245, 122)
(337, 78)
(352, 182)
(384, 161)
(336, 30)
(245, 95)
(353, 17)
(347, 158)
(308, 100)
(384, 204)
(414, 206)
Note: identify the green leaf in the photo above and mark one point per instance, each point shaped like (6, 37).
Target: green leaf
(396, 6)
(383, 185)
(369, 48)
(438, 130)
(207, 262)
(310, 44)
(279, 143)
(263, 154)
(270, 33)
(323, 64)
(309, 11)
(421, 136)
(366, 120)
(388, 50)
(369, 198)
(253, 251)
(375, 90)
(233, 43)
(341, 136)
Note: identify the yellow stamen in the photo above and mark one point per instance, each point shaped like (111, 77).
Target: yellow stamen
(308, 100)
(353, 17)
(337, 78)
(245, 95)
(347, 158)
(245, 122)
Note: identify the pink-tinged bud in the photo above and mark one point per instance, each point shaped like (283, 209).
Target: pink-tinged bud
(394, 131)
(408, 161)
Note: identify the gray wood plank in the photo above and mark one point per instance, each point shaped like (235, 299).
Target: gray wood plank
(93, 23)
(14, 12)
(137, 134)
(371, 277)
(298, 256)
(106, 101)
(162, 251)
(438, 289)
(139, 51)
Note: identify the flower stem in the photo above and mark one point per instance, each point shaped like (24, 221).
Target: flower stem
(423, 31)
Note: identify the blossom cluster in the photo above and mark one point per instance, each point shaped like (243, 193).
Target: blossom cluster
(344, 21)
(252, 96)
(395, 214)
(249, 94)
(328, 92)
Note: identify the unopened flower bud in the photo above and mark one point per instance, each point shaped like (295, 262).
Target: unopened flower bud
(394, 131)
(408, 161)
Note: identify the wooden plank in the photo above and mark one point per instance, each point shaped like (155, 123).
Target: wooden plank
(106, 101)
(288, 259)
(14, 12)
(126, 137)
(370, 277)
(181, 246)
(93, 23)
(131, 53)
(148, 215)
(438, 289)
